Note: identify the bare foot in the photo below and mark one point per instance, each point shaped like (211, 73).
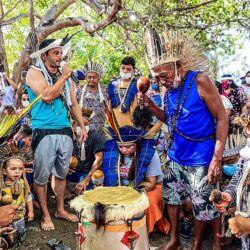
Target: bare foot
(64, 215)
(47, 224)
(172, 245)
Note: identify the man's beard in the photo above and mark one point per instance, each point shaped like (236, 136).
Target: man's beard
(53, 63)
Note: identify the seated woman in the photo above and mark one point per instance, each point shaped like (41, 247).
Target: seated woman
(130, 159)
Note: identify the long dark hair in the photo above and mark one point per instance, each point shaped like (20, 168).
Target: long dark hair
(133, 168)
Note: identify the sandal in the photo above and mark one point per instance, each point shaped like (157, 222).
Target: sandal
(57, 244)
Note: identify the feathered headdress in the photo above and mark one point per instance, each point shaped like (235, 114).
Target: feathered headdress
(174, 45)
(91, 66)
(243, 120)
(9, 123)
(237, 140)
(11, 151)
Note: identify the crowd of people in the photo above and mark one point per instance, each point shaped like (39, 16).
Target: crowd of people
(185, 141)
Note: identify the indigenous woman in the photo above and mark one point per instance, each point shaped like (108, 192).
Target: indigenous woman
(236, 95)
(130, 159)
(94, 94)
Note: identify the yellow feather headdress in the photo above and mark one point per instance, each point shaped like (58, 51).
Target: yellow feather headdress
(174, 45)
(8, 123)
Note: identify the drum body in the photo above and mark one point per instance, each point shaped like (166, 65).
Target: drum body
(111, 237)
(119, 215)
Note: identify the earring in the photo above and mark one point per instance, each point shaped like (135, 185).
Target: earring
(177, 79)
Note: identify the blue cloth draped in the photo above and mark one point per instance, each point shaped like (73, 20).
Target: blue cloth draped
(129, 97)
(111, 155)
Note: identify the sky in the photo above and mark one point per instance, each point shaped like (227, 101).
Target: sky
(237, 64)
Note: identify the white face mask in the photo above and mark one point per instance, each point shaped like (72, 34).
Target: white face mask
(125, 76)
(78, 130)
(87, 128)
(25, 103)
(247, 79)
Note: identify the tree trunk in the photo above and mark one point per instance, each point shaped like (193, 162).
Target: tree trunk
(3, 57)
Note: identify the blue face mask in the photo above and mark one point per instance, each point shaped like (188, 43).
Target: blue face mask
(154, 86)
(229, 170)
(20, 143)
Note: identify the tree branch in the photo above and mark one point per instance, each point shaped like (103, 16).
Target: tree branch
(94, 5)
(62, 7)
(44, 31)
(16, 18)
(74, 21)
(1, 9)
(8, 11)
(13, 19)
(193, 7)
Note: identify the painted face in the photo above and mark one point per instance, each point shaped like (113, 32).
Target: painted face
(14, 170)
(53, 58)
(92, 79)
(225, 84)
(128, 149)
(165, 74)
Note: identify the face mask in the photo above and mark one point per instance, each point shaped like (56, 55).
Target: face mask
(87, 128)
(25, 103)
(247, 79)
(229, 170)
(78, 131)
(125, 76)
(154, 86)
(20, 143)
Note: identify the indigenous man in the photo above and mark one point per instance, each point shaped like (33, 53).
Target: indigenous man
(122, 92)
(52, 137)
(94, 95)
(80, 179)
(197, 126)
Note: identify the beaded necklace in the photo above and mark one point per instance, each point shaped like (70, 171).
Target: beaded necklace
(178, 107)
(54, 78)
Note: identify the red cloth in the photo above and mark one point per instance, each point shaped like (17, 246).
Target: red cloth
(154, 214)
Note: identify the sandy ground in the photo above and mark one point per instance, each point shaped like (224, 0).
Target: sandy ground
(66, 231)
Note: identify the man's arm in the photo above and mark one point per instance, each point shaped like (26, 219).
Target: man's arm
(77, 113)
(36, 81)
(147, 102)
(11, 82)
(149, 183)
(85, 182)
(211, 97)
(96, 165)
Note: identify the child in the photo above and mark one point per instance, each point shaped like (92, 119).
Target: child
(14, 186)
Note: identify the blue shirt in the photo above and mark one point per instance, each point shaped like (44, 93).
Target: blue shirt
(52, 115)
(196, 122)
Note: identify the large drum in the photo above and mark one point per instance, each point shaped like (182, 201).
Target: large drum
(112, 218)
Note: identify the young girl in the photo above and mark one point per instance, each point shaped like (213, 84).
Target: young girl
(14, 186)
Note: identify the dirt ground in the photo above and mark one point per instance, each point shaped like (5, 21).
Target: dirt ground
(36, 239)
